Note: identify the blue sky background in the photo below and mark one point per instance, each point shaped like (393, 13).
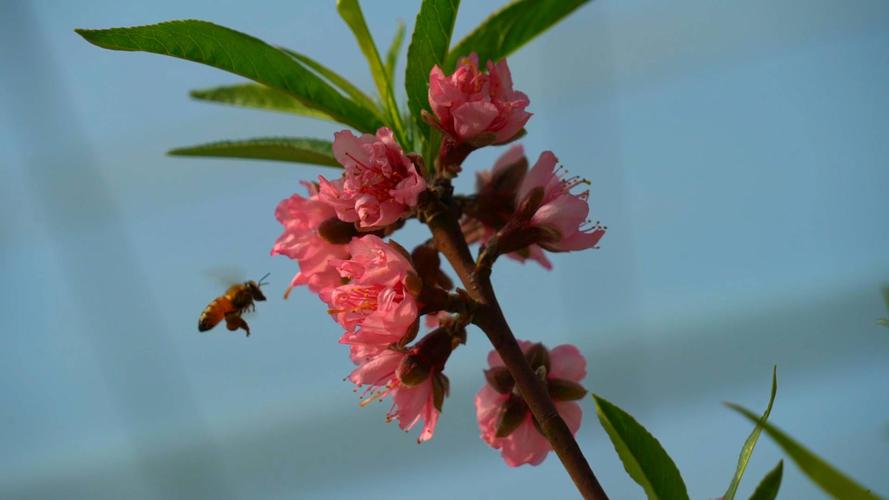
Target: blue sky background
(737, 153)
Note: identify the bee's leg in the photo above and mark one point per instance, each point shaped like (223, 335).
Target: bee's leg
(233, 321)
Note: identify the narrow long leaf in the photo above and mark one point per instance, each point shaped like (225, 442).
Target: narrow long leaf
(394, 49)
(820, 472)
(429, 46)
(750, 443)
(351, 13)
(885, 290)
(770, 484)
(254, 95)
(299, 150)
(335, 79)
(642, 455)
(511, 27)
(244, 55)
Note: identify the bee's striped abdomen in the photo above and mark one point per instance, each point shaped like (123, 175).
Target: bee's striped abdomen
(213, 313)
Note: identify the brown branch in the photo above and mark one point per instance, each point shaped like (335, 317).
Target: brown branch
(437, 213)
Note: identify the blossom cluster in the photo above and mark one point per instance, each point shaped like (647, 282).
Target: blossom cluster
(339, 233)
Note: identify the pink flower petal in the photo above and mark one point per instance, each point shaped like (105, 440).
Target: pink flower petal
(565, 214)
(512, 156)
(472, 118)
(540, 174)
(567, 363)
(378, 369)
(347, 149)
(580, 240)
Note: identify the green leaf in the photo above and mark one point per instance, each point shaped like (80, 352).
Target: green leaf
(299, 150)
(351, 13)
(254, 95)
(511, 27)
(642, 455)
(335, 79)
(244, 55)
(832, 481)
(884, 321)
(750, 443)
(429, 46)
(392, 53)
(769, 486)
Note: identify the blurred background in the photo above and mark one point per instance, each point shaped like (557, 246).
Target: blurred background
(738, 154)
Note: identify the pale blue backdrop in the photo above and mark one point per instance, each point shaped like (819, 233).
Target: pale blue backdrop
(738, 154)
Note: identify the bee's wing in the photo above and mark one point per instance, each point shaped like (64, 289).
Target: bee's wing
(225, 275)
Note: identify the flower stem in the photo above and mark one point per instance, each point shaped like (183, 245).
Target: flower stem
(449, 240)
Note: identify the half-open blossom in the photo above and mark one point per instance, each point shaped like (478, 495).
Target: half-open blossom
(506, 422)
(301, 241)
(473, 105)
(546, 200)
(379, 185)
(375, 301)
(496, 191)
(412, 377)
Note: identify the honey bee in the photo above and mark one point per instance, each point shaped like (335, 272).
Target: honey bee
(237, 300)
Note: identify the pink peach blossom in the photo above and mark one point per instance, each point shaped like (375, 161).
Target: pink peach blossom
(375, 301)
(559, 210)
(525, 444)
(380, 184)
(496, 190)
(470, 104)
(410, 403)
(301, 218)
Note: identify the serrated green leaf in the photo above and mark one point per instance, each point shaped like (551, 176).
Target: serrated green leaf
(238, 53)
(299, 150)
(511, 27)
(750, 443)
(770, 484)
(351, 13)
(335, 79)
(429, 46)
(394, 49)
(642, 455)
(254, 95)
(830, 480)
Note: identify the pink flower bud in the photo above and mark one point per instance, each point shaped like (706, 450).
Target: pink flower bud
(380, 184)
(503, 418)
(474, 106)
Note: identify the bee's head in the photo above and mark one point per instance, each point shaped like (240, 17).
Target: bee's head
(255, 287)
